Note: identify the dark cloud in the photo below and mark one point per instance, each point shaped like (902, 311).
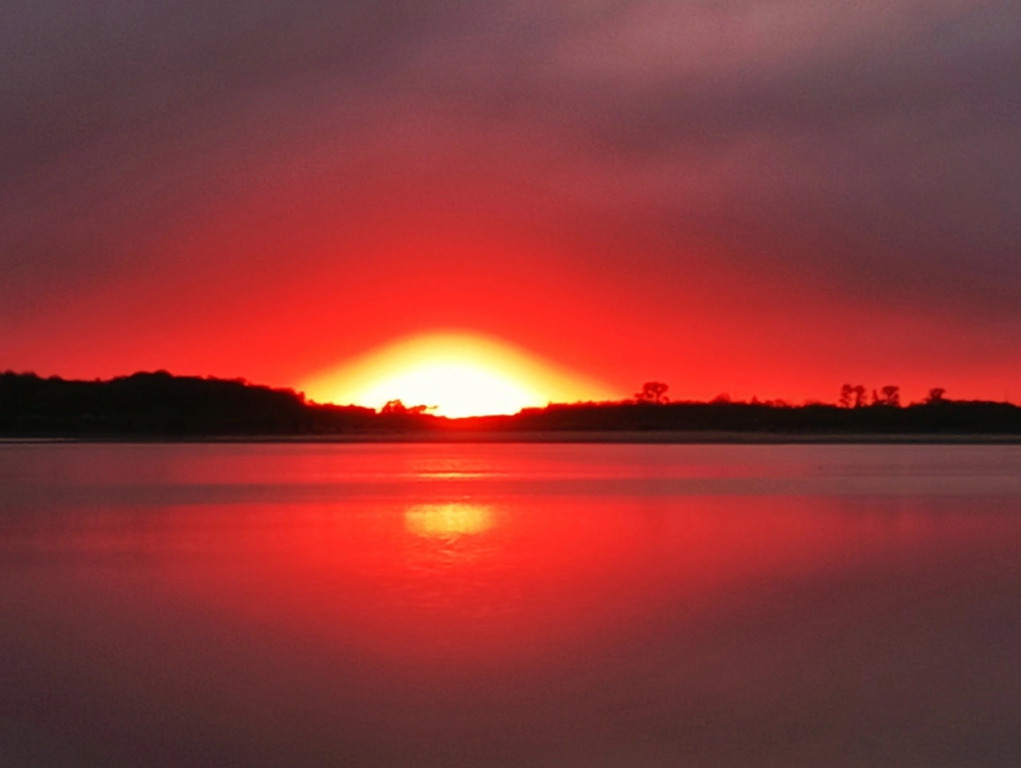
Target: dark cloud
(865, 151)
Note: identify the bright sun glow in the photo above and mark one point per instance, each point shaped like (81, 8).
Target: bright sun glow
(455, 388)
(458, 374)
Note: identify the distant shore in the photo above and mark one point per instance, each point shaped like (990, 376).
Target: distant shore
(657, 437)
(159, 406)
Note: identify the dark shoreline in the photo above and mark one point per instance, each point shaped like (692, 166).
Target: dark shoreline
(148, 407)
(659, 437)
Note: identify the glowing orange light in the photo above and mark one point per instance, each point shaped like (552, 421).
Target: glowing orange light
(447, 521)
(457, 374)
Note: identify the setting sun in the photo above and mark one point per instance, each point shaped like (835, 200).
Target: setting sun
(455, 375)
(456, 389)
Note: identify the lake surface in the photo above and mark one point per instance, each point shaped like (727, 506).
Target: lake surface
(510, 605)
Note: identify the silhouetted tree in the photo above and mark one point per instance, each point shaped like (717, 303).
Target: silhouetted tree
(846, 396)
(653, 392)
(161, 405)
(891, 395)
(935, 396)
(859, 396)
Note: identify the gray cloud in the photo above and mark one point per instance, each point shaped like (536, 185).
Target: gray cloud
(865, 149)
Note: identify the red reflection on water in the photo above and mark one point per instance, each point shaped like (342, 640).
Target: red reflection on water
(466, 585)
(455, 609)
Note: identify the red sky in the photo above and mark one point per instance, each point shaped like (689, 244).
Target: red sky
(763, 199)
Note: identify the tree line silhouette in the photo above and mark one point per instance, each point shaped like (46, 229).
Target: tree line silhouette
(162, 405)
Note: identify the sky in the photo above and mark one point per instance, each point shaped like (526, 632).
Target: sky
(763, 198)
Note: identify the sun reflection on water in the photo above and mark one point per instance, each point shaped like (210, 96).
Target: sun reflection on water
(446, 521)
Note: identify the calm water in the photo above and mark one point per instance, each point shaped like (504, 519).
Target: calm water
(510, 605)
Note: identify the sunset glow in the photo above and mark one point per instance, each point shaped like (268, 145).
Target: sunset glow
(446, 521)
(455, 375)
(763, 200)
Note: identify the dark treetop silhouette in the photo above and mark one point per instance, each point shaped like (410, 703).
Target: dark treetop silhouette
(161, 405)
